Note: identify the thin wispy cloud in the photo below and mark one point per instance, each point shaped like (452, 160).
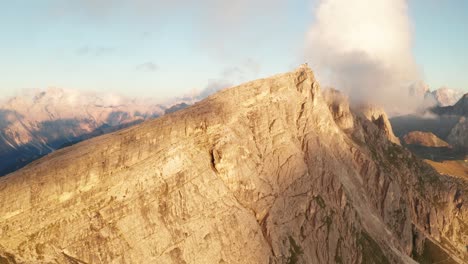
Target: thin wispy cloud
(94, 51)
(221, 25)
(249, 69)
(147, 67)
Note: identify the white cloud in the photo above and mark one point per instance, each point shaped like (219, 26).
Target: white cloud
(364, 47)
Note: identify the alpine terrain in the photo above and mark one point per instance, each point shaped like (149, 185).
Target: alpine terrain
(271, 171)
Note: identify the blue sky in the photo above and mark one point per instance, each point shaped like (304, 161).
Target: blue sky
(441, 41)
(166, 48)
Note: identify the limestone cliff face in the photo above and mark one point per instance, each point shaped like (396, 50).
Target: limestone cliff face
(378, 116)
(270, 171)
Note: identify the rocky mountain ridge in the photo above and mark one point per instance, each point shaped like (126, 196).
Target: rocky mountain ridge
(271, 171)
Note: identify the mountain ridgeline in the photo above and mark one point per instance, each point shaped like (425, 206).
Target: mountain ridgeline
(271, 171)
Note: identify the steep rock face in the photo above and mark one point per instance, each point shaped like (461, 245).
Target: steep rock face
(267, 172)
(426, 139)
(378, 116)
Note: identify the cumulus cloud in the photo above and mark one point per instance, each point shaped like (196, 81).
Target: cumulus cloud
(364, 48)
(147, 66)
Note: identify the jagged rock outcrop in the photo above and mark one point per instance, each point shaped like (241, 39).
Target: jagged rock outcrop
(425, 139)
(266, 172)
(378, 116)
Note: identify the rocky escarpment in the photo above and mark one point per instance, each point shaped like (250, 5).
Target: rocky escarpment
(267, 172)
(378, 116)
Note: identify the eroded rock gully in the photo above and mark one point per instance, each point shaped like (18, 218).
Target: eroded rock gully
(271, 171)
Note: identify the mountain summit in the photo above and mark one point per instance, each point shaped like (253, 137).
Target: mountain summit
(270, 171)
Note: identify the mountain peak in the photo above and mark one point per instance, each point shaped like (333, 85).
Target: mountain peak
(446, 96)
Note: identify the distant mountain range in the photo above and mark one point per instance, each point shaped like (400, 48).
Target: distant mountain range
(460, 108)
(443, 96)
(446, 96)
(36, 123)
